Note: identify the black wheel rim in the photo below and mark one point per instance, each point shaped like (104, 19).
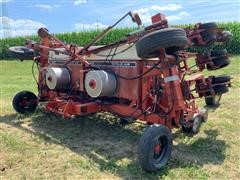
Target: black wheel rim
(159, 150)
(23, 102)
(27, 103)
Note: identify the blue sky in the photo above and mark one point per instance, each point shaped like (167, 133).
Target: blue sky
(24, 17)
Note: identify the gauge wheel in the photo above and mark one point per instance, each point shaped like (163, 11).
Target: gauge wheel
(219, 62)
(220, 89)
(208, 37)
(155, 146)
(196, 123)
(218, 52)
(220, 79)
(25, 102)
(213, 100)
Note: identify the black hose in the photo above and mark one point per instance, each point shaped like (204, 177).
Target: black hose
(34, 62)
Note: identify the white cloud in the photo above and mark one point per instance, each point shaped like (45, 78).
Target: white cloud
(5, 1)
(142, 10)
(147, 12)
(177, 16)
(146, 18)
(20, 27)
(47, 7)
(77, 2)
(183, 13)
(83, 27)
(168, 7)
(144, 14)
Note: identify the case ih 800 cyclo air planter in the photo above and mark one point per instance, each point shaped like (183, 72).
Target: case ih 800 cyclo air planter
(145, 76)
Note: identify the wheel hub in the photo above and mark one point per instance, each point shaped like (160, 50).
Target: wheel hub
(24, 103)
(157, 149)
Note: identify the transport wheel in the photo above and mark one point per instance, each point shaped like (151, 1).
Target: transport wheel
(218, 52)
(213, 100)
(149, 45)
(21, 52)
(196, 124)
(24, 102)
(220, 79)
(172, 50)
(155, 146)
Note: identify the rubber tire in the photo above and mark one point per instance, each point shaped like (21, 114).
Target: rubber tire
(218, 52)
(197, 121)
(219, 62)
(227, 36)
(211, 100)
(209, 25)
(19, 97)
(146, 147)
(149, 45)
(209, 37)
(172, 50)
(220, 89)
(192, 130)
(221, 79)
(21, 52)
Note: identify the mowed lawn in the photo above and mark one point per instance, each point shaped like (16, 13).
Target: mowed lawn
(44, 146)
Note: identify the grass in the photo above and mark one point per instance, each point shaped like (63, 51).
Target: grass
(42, 146)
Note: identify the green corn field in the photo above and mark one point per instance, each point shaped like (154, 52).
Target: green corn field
(81, 38)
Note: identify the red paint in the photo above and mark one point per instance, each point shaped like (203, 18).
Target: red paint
(137, 98)
(92, 84)
(157, 149)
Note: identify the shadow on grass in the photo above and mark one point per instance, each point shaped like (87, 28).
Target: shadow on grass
(106, 143)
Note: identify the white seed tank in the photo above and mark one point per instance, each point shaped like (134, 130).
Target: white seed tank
(57, 78)
(99, 83)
